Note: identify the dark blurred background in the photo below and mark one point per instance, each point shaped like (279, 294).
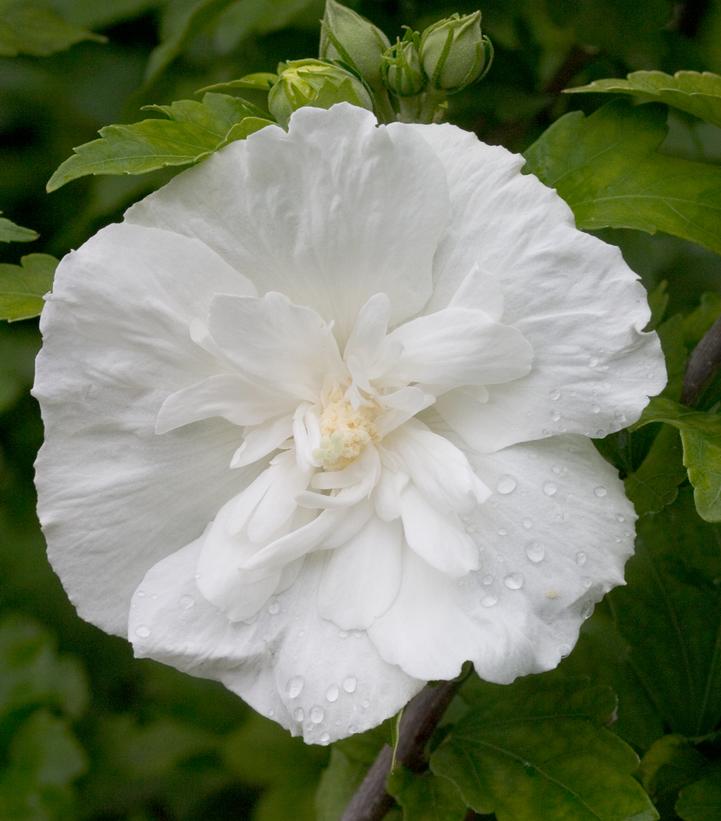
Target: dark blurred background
(86, 731)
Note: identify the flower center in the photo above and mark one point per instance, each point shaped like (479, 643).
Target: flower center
(345, 430)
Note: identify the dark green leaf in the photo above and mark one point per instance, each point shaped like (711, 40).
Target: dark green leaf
(609, 171)
(426, 797)
(32, 28)
(10, 232)
(701, 801)
(691, 91)
(670, 614)
(537, 749)
(22, 287)
(655, 484)
(194, 130)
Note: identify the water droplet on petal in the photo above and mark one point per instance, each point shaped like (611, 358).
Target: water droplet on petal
(514, 581)
(186, 602)
(506, 484)
(295, 686)
(581, 558)
(550, 488)
(600, 491)
(332, 693)
(299, 714)
(350, 683)
(317, 714)
(143, 631)
(535, 552)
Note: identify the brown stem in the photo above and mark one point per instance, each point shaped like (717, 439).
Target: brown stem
(371, 801)
(704, 362)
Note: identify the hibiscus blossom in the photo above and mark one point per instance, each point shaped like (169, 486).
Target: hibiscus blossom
(317, 418)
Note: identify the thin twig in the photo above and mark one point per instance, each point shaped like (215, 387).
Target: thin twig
(703, 364)
(371, 801)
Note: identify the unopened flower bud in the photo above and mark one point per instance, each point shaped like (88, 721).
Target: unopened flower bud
(348, 38)
(454, 52)
(314, 83)
(401, 67)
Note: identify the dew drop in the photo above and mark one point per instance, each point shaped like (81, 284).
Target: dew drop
(487, 579)
(506, 484)
(527, 524)
(299, 714)
(143, 631)
(535, 552)
(581, 558)
(350, 683)
(489, 601)
(332, 693)
(186, 602)
(317, 714)
(295, 686)
(513, 581)
(274, 608)
(550, 488)
(600, 491)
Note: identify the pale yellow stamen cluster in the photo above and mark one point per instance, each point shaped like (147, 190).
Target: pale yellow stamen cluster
(345, 430)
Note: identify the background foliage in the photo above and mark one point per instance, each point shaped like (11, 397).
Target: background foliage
(628, 727)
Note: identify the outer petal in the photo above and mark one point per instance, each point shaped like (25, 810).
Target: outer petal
(289, 664)
(115, 497)
(554, 539)
(593, 367)
(330, 213)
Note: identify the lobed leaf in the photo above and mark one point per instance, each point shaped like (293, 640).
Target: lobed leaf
(193, 131)
(537, 749)
(22, 287)
(34, 29)
(697, 93)
(10, 232)
(608, 169)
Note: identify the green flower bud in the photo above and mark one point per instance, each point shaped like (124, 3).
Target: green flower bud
(401, 67)
(348, 38)
(454, 52)
(315, 83)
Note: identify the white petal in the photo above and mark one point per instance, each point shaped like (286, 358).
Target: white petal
(438, 537)
(457, 346)
(362, 576)
(226, 395)
(290, 664)
(114, 497)
(330, 213)
(438, 468)
(262, 440)
(269, 338)
(571, 296)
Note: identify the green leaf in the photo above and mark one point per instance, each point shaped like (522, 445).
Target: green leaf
(10, 232)
(701, 801)
(655, 484)
(426, 797)
(609, 171)
(670, 615)
(537, 749)
(22, 287)
(691, 91)
(701, 440)
(32, 28)
(193, 131)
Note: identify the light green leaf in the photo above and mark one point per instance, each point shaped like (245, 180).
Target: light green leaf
(697, 93)
(655, 484)
(608, 169)
(670, 615)
(537, 749)
(701, 801)
(193, 131)
(22, 287)
(426, 797)
(10, 232)
(32, 28)
(701, 440)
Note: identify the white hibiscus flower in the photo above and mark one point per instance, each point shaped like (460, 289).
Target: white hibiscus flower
(317, 413)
